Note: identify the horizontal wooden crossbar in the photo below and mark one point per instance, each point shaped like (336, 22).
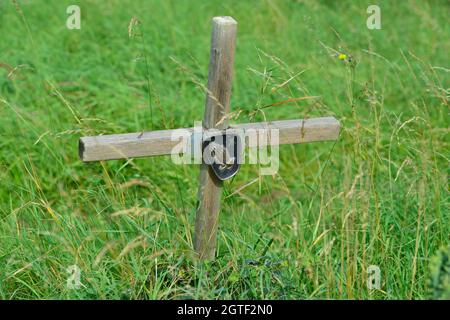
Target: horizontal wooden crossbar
(161, 142)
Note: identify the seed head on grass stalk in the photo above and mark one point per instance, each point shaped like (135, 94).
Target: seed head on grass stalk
(135, 30)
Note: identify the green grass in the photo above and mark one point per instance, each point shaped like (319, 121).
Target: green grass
(378, 196)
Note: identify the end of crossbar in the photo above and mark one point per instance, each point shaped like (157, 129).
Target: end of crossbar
(81, 149)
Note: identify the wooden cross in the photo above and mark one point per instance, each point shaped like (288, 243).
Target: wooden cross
(155, 143)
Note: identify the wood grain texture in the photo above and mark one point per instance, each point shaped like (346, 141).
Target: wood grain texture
(128, 145)
(157, 143)
(217, 108)
(291, 131)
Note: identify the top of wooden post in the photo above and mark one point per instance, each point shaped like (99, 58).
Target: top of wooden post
(223, 43)
(224, 20)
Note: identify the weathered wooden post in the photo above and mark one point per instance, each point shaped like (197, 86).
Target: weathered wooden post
(223, 42)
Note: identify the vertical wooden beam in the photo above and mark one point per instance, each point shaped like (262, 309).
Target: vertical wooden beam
(223, 42)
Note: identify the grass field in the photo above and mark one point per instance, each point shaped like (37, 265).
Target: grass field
(377, 196)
